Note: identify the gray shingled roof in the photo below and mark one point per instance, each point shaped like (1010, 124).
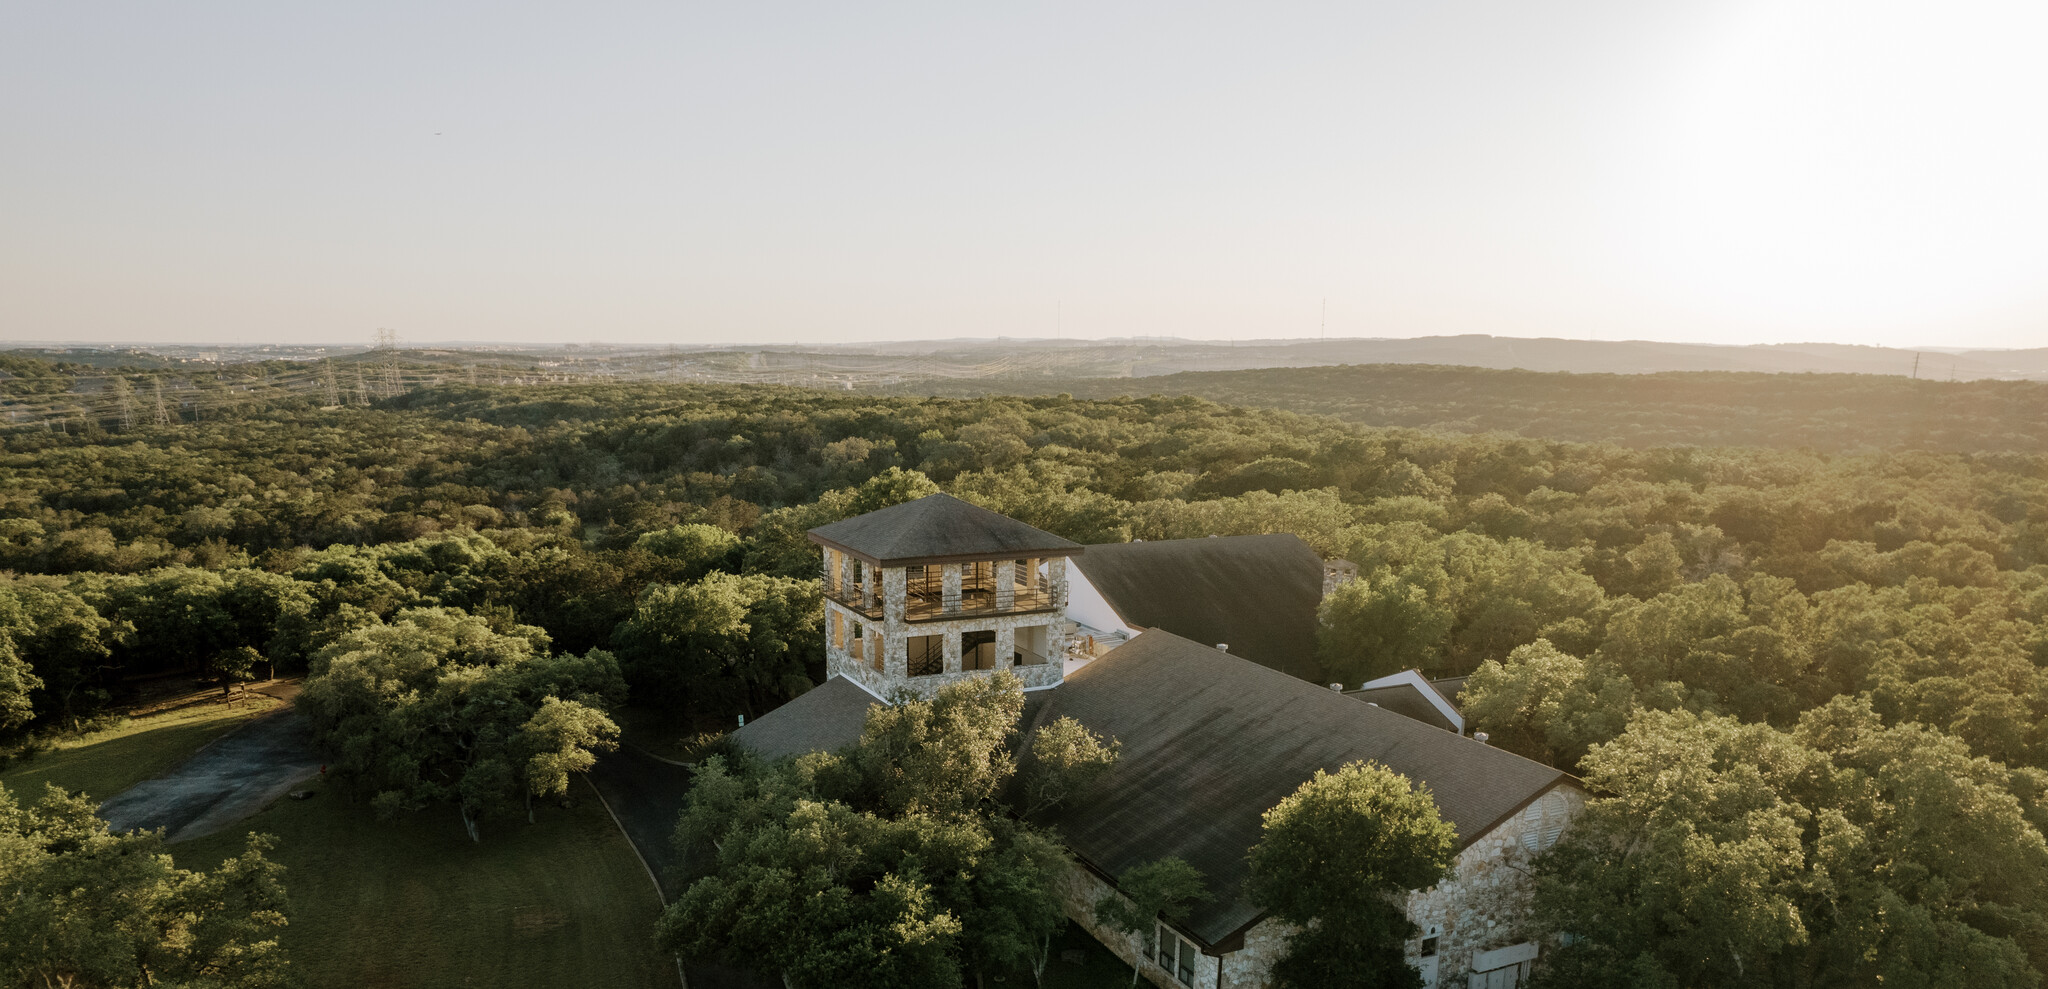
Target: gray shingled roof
(1259, 594)
(938, 529)
(824, 718)
(1210, 742)
(1403, 699)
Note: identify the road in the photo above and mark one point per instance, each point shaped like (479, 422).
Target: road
(234, 776)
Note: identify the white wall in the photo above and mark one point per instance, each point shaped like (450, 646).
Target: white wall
(1087, 606)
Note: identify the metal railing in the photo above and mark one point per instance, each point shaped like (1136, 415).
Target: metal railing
(973, 601)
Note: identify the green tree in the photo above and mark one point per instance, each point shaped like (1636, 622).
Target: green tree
(1066, 758)
(1378, 625)
(1546, 704)
(728, 641)
(437, 707)
(888, 863)
(1842, 853)
(689, 551)
(1335, 859)
(88, 908)
(233, 666)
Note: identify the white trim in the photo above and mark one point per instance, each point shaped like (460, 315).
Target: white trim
(1413, 678)
(1514, 954)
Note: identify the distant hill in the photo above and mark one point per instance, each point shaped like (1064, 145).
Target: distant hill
(1825, 412)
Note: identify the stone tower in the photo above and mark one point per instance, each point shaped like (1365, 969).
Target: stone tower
(930, 591)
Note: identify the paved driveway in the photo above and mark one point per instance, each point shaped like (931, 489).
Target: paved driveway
(234, 776)
(646, 794)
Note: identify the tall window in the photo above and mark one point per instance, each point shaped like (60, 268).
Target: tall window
(1176, 955)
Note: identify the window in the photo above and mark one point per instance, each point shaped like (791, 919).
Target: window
(978, 650)
(1428, 947)
(926, 654)
(1176, 955)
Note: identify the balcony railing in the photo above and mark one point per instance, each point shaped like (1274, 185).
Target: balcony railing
(925, 607)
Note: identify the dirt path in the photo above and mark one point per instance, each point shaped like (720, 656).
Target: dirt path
(234, 776)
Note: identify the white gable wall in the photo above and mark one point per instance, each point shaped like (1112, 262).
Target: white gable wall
(1087, 606)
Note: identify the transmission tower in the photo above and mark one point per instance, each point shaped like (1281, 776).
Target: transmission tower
(162, 414)
(333, 387)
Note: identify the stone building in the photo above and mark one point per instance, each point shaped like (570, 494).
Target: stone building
(923, 593)
(1213, 732)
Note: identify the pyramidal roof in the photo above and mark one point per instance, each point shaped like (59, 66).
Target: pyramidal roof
(938, 529)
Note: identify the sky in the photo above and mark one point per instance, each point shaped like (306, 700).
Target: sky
(1854, 171)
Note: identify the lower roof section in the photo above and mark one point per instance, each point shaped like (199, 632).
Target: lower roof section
(827, 717)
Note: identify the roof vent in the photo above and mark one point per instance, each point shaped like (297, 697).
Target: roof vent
(1480, 737)
(1372, 703)
(1222, 647)
(1338, 687)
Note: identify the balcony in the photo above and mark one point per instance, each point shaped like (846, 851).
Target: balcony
(928, 604)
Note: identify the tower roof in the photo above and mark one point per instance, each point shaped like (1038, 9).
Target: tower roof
(938, 529)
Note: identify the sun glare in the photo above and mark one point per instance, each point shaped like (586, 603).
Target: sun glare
(1847, 162)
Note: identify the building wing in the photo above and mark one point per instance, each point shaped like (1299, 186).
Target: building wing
(1211, 741)
(1257, 594)
(827, 717)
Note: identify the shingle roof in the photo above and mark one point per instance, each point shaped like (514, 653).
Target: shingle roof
(1405, 700)
(1258, 594)
(1210, 742)
(1452, 689)
(938, 529)
(824, 718)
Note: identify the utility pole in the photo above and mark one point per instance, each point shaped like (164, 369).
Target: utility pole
(1916, 367)
(333, 387)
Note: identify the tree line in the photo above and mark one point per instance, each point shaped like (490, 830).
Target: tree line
(561, 543)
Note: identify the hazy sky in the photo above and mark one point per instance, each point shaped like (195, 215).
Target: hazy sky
(1862, 171)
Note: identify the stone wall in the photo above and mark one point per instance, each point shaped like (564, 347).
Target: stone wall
(1079, 890)
(1482, 908)
(1486, 905)
(877, 635)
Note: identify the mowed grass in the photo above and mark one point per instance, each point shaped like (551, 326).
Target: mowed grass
(103, 763)
(414, 903)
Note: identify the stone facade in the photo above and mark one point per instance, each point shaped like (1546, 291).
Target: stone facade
(1080, 889)
(1480, 910)
(1485, 906)
(854, 639)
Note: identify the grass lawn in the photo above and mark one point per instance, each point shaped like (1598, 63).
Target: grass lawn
(412, 902)
(104, 763)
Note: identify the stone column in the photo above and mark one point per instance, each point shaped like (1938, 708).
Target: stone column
(1031, 574)
(895, 660)
(831, 573)
(1056, 573)
(842, 582)
(951, 642)
(867, 587)
(1006, 645)
(950, 602)
(835, 630)
(1006, 587)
